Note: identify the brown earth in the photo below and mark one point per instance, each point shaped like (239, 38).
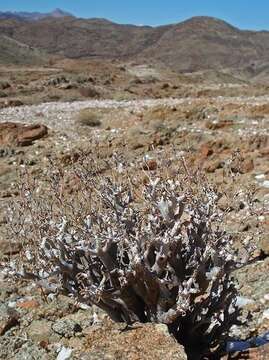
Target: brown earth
(222, 131)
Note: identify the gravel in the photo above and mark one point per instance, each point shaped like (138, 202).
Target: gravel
(59, 115)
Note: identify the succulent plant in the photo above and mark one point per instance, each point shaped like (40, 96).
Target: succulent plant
(143, 251)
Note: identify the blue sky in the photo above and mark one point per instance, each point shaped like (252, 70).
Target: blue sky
(246, 14)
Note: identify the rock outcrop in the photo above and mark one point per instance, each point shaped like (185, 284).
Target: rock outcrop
(16, 134)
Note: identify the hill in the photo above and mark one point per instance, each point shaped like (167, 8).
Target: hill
(76, 38)
(207, 43)
(15, 52)
(200, 43)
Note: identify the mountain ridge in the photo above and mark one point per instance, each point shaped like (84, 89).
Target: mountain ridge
(198, 43)
(33, 16)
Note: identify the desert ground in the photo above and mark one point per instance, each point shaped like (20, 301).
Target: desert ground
(146, 114)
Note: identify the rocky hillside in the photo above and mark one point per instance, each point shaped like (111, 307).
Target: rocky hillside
(206, 43)
(15, 52)
(76, 38)
(196, 44)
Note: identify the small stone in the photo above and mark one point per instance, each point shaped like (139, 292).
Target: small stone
(66, 327)
(247, 166)
(242, 301)
(224, 203)
(64, 354)
(28, 304)
(150, 165)
(40, 330)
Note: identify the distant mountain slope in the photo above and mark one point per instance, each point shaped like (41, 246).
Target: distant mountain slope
(200, 43)
(14, 52)
(208, 43)
(75, 38)
(57, 13)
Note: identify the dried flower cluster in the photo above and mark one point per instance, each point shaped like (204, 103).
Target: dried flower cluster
(153, 252)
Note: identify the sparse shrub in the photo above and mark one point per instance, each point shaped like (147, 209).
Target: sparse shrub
(147, 251)
(4, 85)
(56, 81)
(2, 94)
(82, 79)
(89, 117)
(89, 91)
(54, 96)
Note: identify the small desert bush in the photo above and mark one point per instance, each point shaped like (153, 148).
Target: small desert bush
(150, 250)
(2, 94)
(89, 117)
(4, 85)
(89, 92)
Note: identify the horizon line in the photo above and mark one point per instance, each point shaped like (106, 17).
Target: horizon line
(135, 24)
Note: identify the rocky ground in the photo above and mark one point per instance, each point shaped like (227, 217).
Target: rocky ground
(225, 137)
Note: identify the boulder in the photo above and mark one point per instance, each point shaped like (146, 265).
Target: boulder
(16, 134)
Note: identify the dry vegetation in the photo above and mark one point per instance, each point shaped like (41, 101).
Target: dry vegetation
(163, 266)
(89, 117)
(151, 251)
